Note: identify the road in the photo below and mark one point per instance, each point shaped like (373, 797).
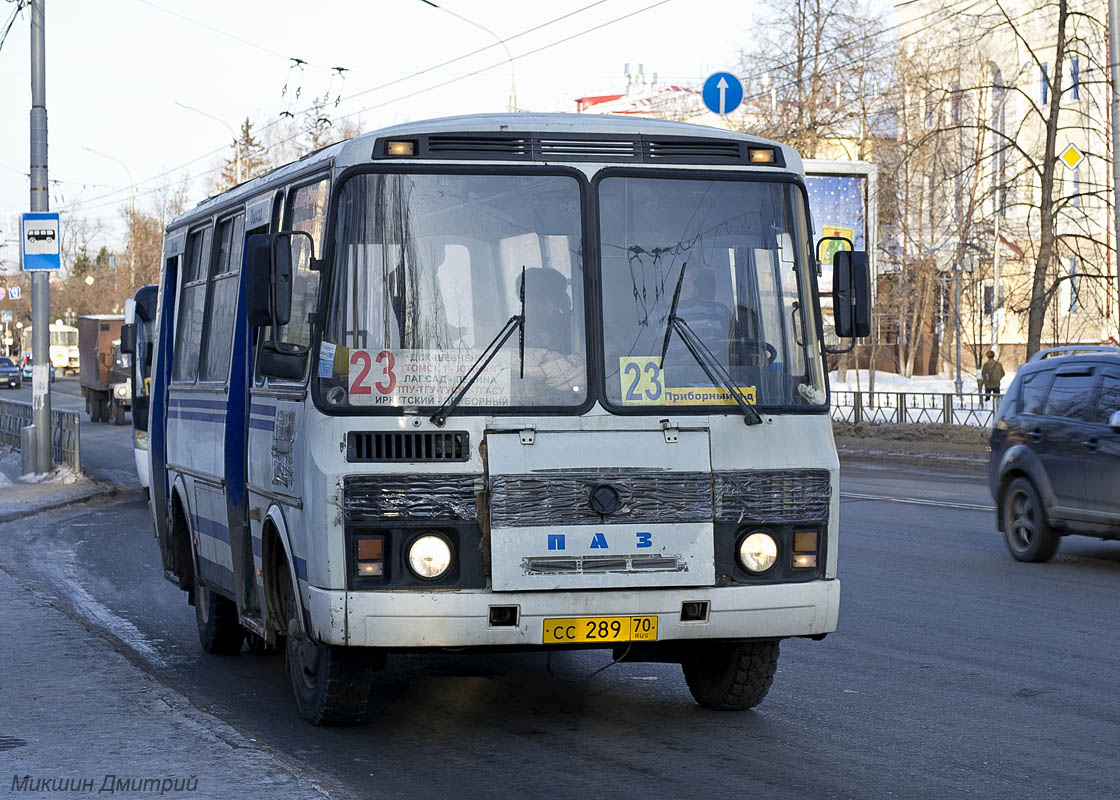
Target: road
(955, 672)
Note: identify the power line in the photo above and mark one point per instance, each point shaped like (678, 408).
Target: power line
(95, 201)
(8, 25)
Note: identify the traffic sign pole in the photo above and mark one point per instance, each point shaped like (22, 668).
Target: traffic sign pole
(40, 281)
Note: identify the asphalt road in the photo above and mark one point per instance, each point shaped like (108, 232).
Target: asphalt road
(956, 672)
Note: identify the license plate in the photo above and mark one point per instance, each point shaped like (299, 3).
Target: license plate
(566, 630)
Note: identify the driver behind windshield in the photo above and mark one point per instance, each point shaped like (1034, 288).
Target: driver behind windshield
(549, 355)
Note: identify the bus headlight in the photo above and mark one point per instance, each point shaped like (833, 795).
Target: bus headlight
(141, 440)
(429, 556)
(757, 552)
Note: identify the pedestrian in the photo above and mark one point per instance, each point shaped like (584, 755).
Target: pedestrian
(990, 375)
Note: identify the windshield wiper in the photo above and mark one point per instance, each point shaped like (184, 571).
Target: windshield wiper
(704, 357)
(514, 323)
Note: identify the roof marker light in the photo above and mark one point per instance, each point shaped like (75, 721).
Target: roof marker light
(400, 148)
(760, 155)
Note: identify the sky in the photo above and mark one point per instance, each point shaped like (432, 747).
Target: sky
(117, 71)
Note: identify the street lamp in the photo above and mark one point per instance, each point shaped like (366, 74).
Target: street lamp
(131, 208)
(500, 40)
(233, 133)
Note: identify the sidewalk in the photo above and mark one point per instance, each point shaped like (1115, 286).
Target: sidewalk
(60, 487)
(78, 717)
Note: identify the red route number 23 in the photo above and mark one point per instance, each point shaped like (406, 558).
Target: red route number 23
(384, 379)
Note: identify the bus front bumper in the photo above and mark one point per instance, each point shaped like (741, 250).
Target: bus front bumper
(462, 618)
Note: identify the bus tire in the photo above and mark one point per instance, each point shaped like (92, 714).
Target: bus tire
(219, 631)
(730, 676)
(331, 684)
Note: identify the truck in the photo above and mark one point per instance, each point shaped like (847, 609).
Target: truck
(104, 369)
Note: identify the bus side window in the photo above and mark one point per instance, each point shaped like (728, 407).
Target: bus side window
(192, 306)
(223, 300)
(306, 210)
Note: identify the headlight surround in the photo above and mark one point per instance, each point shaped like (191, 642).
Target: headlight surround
(757, 552)
(429, 556)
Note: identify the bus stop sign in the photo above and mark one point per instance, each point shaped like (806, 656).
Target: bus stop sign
(722, 93)
(39, 241)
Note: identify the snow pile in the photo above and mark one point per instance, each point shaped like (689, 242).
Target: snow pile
(63, 475)
(5, 481)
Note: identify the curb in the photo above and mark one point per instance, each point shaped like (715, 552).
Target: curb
(98, 490)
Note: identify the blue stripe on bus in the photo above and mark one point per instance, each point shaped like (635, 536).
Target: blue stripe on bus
(263, 410)
(211, 528)
(262, 424)
(197, 417)
(301, 568)
(190, 402)
(217, 575)
(256, 546)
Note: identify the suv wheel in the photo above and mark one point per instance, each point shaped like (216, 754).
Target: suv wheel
(1027, 532)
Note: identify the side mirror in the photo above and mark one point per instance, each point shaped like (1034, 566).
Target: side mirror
(1114, 421)
(128, 338)
(851, 293)
(270, 268)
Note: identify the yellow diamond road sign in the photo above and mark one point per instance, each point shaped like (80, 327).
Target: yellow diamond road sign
(1071, 156)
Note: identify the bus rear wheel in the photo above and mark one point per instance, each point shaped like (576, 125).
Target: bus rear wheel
(730, 676)
(331, 684)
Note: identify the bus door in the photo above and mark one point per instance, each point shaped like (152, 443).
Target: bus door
(277, 406)
(159, 489)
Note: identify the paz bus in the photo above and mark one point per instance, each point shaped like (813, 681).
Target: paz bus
(137, 340)
(503, 381)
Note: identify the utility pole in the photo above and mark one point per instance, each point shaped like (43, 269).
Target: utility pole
(1114, 62)
(958, 383)
(40, 281)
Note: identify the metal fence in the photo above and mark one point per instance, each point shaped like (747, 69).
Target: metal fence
(878, 408)
(65, 431)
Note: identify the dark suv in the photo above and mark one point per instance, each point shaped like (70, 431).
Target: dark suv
(1054, 469)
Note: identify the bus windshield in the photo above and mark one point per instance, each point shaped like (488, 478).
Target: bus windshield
(733, 253)
(428, 269)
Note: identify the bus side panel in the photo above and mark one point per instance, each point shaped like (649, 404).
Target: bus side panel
(245, 549)
(160, 489)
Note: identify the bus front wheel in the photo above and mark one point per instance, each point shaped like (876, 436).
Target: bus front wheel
(331, 684)
(730, 676)
(219, 630)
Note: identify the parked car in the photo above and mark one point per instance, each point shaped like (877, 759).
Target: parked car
(1054, 467)
(26, 368)
(9, 374)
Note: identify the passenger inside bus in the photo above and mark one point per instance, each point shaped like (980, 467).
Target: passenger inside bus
(549, 356)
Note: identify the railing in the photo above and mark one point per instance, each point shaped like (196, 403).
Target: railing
(65, 431)
(877, 408)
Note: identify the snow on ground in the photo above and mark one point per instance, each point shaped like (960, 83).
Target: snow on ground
(857, 380)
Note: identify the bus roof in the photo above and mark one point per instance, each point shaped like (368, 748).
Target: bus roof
(359, 150)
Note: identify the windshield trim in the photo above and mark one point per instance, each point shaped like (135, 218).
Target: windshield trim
(803, 252)
(590, 266)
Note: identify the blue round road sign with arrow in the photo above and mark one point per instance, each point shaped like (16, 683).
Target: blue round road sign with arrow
(722, 93)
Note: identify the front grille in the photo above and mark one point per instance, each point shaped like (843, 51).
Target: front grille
(599, 565)
(773, 496)
(563, 498)
(382, 497)
(387, 446)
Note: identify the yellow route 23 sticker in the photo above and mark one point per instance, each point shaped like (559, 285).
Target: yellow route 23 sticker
(643, 384)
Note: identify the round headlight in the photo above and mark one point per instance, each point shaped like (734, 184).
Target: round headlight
(429, 556)
(758, 551)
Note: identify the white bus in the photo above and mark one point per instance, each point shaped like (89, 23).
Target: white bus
(64, 346)
(503, 381)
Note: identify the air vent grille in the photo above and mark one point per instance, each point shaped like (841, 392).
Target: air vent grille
(497, 147)
(694, 150)
(382, 446)
(578, 149)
